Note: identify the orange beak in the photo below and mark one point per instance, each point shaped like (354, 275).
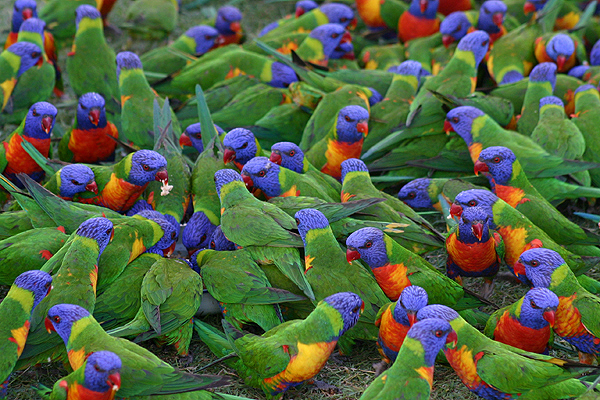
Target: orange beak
(480, 167)
(48, 325)
(412, 318)
(363, 127)
(447, 40)
(448, 127)
(92, 187)
(235, 26)
(346, 37)
(455, 210)
(275, 158)
(168, 251)
(560, 62)
(114, 380)
(519, 270)
(498, 19)
(477, 230)
(162, 176)
(248, 181)
(550, 316)
(228, 155)
(184, 140)
(94, 116)
(352, 255)
(452, 338)
(27, 13)
(423, 4)
(47, 124)
(528, 7)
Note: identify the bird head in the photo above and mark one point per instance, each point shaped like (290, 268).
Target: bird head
(473, 198)
(476, 42)
(282, 75)
(539, 307)
(496, 163)
(61, 318)
(288, 155)
(261, 173)
(352, 124)
(126, 60)
(348, 304)
(86, 11)
(30, 54)
(434, 334)
(560, 48)
(197, 232)
(415, 193)
(102, 372)
(460, 120)
(337, 13)
(308, 219)
(37, 282)
(39, 121)
(219, 242)
(411, 300)
(353, 165)
(99, 229)
(228, 20)
(204, 37)
(166, 244)
(76, 178)
(544, 72)
(454, 27)
(240, 147)
(91, 111)
(304, 6)
(539, 264)
(147, 166)
(22, 11)
(367, 244)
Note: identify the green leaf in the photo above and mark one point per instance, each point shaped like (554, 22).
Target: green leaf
(206, 123)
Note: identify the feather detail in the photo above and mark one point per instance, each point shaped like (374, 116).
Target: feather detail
(93, 145)
(465, 365)
(337, 152)
(391, 335)
(80, 392)
(18, 159)
(412, 27)
(568, 325)
(512, 195)
(77, 358)
(291, 192)
(19, 336)
(510, 331)
(472, 259)
(392, 278)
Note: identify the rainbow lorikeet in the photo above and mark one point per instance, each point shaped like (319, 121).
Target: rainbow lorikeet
(558, 48)
(28, 250)
(509, 182)
(396, 268)
(91, 63)
(291, 353)
(586, 101)
(418, 234)
(412, 375)
(323, 42)
(395, 319)
(152, 19)
(576, 316)
(454, 27)
(36, 129)
(302, 7)
(22, 10)
(494, 370)
(89, 140)
(420, 20)
(72, 179)
(58, 14)
(166, 244)
(240, 147)
(192, 136)
(171, 293)
(25, 294)
(228, 24)
(254, 299)
(274, 181)
(542, 81)
(98, 378)
(14, 62)
(219, 242)
(75, 281)
(142, 373)
(473, 249)
(344, 141)
(527, 323)
(491, 19)
(197, 232)
(120, 185)
(381, 56)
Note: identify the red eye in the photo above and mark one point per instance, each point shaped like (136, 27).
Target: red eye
(355, 309)
(455, 120)
(532, 303)
(34, 113)
(173, 234)
(292, 153)
(244, 145)
(261, 173)
(368, 244)
(203, 238)
(484, 43)
(534, 263)
(335, 35)
(496, 160)
(56, 319)
(35, 54)
(347, 118)
(411, 195)
(439, 333)
(297, 221)
(213, 245)
(74, 182)
(109, 231)
(198, 135)
(472, 203)
(146, 167)
(343, 19)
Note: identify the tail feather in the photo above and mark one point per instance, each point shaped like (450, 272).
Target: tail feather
(215, 340)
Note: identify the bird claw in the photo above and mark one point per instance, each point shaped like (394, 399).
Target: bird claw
(380, 367)
(186, 361)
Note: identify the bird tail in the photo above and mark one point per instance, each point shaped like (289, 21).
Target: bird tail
(474, 317)
(215, 340)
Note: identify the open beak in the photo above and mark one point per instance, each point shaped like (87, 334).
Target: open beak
(550, 316)
(480, 167)
(560, 62)
(519, 270)
(352, 255)
(423, 4)
(477, 230)
(447, 40)
(184, 140)
(235, 26)
(448, 127)
(94, 116)
(114, 380)
(498, 19)
(248, 181)
(162, 176)
(47, 124)
(168, 251)
(528, 7)
(412, 318)
(452, 338)
(228, 155)
(455, 210)
(92, 187)
(346, 37)
(48, 325)
(275, 158)
(27, 13)
(363, 127)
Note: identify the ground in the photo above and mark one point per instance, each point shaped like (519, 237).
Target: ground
(351, 375)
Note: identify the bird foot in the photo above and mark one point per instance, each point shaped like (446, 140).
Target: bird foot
(487, 289)
(325, 387)
(380, 367)
(186, 361)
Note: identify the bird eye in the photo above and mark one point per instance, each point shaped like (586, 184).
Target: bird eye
(472, 203)
(534, 263)
(465, 220)
(173, 234)
(83, 107)
(109, 231)
(458, 28)
(532, 303)
(411, 195)
(484, 43)
(343, 19)
(335, 35)
(34, 113)
(198, 135)
(261, 173)
(496, 160)
(455, 120)
(439, 333)
(56, 319)
(355, 309)
(207, 37)
(297, 221)
(292, 153)
(74, 182)
(244, 145)
(213, 245)
(368, 244)
(35, 54)
(146, 167)
(347, 118)
(203, 238)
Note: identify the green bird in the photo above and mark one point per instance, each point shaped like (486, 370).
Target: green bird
(25, 294)
(541, 84)
(152, 19)
(28, 250)
(282, 122)
(291, 353)
(323, 257)
(74, 281)
(171, 293)
(142, 373)
(587, 101)
(253, 299)
(58, 14)
(411, 375)
(14, 63)
(381, 56)
(14, 222)
(137, 102)
(493, 369)
(91, 63)
(421, 50)
(419, 236)
(167, 60)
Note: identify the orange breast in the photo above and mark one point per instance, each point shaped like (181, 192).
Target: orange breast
(17, 157)
(392, 278)
(411, 27)
(568, 318)
(11, 39)
(464, 364)
(119, 195)
(471, 257)
(78, 392)
(336, 153)
(391, 332)
(449, 6)
(510, 331)
(93, 145)
(511, 195)
(370, 12)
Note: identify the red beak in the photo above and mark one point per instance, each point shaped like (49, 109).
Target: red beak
(448, 127)
(248, 181)
(168, 251)
(498, 19)
(412, 318)
(94, 116)
(519, 269)
(480, 167)
(423, 4)
(228, 155)
(299, 12)
(452, 338)
(352, 255)
(528, 7)
(455, 210)
(346, 37)
(275, 158)
(477, 230)
(235, 26)
(447, 40)
(352, 24)
(47, 124)
(162, 176)
(27, 13)
(92, 187)
(184, 140)
(560, 62)
(550, 316)
(363, 127)
(114, 380)
(48, 325)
